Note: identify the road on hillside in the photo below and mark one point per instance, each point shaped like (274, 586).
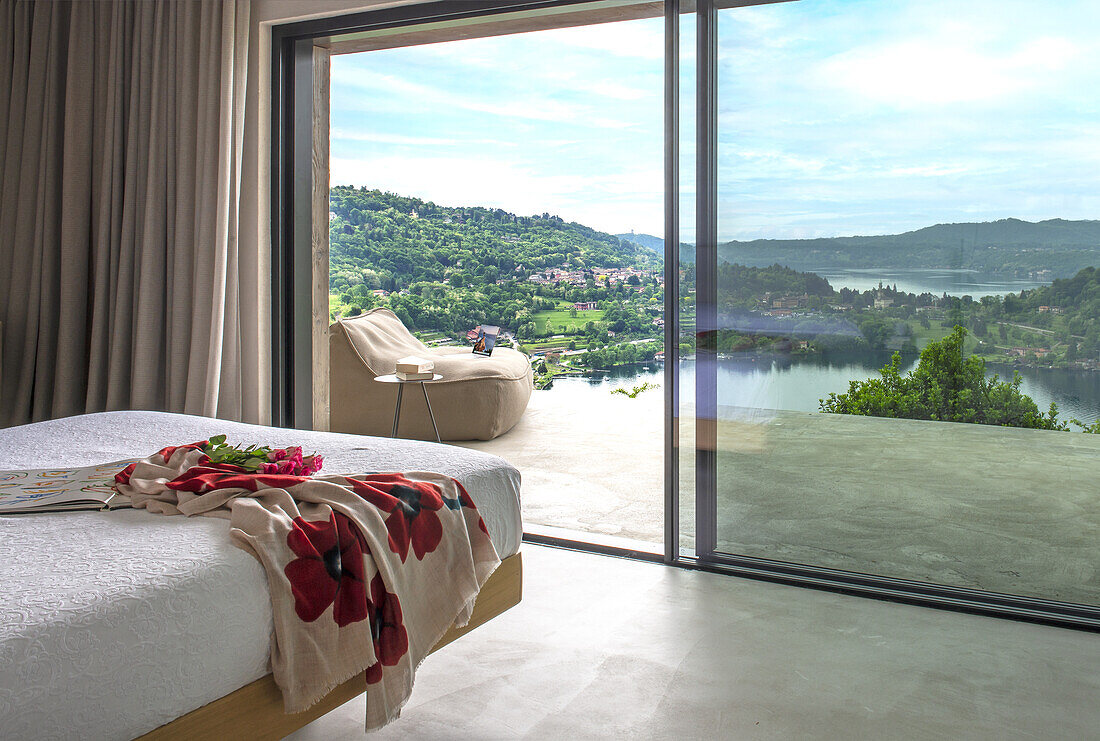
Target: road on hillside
(1037, 329)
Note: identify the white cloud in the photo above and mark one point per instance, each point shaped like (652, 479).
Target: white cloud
(395, 93)
(612, 202)
(940, 71)
(638, 39)
(377, 137)
(612, 89)
(771, 163)
(929, 170)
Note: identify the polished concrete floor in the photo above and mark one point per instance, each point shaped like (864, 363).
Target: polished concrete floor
(605, 648)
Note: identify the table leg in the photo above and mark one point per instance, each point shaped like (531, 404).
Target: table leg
(430, 413)
(397, 409)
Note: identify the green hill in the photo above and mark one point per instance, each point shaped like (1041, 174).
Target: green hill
(450, 268)
(1074, 302)
(657, 244)
(650, 242)
(406, 240)
(1008, 246)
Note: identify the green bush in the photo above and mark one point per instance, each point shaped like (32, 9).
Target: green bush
(944, 386)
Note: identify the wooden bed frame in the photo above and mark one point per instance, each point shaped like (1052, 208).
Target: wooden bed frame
(255, 711)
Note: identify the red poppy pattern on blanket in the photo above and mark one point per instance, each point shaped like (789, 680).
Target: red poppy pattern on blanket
(346, 596)
(329, 569)
(391, 640)
(412, 508)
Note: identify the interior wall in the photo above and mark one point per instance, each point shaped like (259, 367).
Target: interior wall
(254, 239)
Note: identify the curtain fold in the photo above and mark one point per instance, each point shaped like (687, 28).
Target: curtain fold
(121, 141)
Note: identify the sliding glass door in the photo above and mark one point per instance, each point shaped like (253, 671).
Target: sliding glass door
(866, 281)
(516, 180)
(904, 341)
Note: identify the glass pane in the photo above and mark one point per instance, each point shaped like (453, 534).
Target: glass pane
(517, 181)
(686, 402)
(909, 368)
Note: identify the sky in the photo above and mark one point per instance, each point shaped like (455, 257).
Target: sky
(836, 117)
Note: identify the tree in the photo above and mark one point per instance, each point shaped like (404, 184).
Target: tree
(944, 386)
(877, 330)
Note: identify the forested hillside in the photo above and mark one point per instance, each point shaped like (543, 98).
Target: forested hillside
(1078, 296)
(411, 240)
(739, 285)
(655, 244)
(1069, 307)
(1006, 247)
(452, 268)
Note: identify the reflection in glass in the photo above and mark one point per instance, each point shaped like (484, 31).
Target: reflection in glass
(907, 221)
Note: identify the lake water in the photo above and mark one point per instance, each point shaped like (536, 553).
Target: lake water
(925, 280)
(798, 382)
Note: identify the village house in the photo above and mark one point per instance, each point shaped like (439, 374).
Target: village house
(789, 302)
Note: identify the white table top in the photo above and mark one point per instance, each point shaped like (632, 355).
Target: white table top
(392, 378)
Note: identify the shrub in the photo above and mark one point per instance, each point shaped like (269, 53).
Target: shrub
(944, 386)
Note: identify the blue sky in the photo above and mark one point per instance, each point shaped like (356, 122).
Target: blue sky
(841, 117)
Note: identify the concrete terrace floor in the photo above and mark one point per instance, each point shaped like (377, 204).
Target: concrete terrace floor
(605, 648)
(591, 462)
(1000, 509)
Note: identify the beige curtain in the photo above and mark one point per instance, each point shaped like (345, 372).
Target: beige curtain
(121, 127)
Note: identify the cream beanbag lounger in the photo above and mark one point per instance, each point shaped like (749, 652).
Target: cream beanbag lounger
(478, 398)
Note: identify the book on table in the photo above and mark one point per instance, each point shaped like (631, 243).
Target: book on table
(413, 365)
(61, 489)
(415, 376)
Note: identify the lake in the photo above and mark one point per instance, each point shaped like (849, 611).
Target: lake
(797, 382)
(926, 280)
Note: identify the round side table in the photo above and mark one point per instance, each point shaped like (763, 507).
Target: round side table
(401, 382)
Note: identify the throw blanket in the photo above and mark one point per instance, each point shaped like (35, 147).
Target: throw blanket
(366, 572)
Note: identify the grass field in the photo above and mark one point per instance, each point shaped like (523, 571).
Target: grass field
(936, 331)
(922, 336)
(533, 345)
(561, 316)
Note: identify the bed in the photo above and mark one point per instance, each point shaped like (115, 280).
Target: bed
(125, 623)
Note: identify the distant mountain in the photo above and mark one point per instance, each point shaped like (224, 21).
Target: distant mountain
(1007, 246)
(656, 244)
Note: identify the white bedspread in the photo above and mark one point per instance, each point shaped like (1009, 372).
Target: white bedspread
(103, 613)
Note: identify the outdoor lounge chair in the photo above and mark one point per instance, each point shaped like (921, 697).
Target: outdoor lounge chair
(479, 397)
